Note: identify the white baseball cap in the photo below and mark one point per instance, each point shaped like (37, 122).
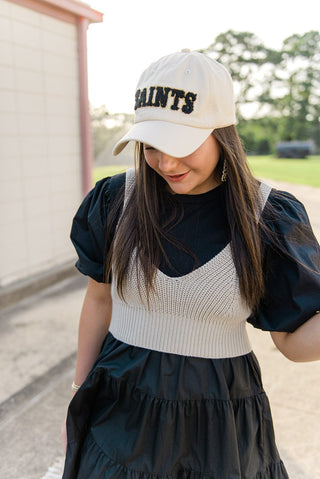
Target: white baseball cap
(180, 100)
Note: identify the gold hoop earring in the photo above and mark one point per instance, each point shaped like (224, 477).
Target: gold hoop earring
(224, 172)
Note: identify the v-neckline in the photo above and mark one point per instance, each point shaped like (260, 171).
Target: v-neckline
(195, 272)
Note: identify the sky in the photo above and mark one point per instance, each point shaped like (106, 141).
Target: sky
(135, 33)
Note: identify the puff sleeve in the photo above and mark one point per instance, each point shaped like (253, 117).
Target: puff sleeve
(292, 272)
(88, 232)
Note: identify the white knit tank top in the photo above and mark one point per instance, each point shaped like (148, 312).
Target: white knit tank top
(199, 314)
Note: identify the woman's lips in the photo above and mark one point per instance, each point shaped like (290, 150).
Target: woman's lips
(177, 177)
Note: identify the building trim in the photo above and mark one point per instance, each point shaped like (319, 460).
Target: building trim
(85, 121)
(66, 10)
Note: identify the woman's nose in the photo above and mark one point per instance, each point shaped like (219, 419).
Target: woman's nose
(167, 163)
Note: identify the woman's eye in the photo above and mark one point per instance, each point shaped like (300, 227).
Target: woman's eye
(149, 148)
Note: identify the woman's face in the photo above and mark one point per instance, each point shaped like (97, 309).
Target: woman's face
(190, 175)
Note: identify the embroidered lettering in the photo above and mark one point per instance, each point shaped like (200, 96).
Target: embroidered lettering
(158, 96)
(137, 97)
(189, 105)
(177, 94)
(141, 97)
(161, 96)
(149, 102)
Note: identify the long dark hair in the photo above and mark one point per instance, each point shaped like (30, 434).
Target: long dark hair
(140, 229)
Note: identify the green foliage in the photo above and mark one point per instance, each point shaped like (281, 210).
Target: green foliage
(246, 57)
(281, 88)
(105, 127)
(257, 135)
(99, 129)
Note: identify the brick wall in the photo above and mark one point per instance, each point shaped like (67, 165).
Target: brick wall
(40, 174)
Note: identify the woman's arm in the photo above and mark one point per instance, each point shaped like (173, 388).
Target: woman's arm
(303, 344)
(94, 324)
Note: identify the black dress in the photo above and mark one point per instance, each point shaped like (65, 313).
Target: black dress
(144, 413)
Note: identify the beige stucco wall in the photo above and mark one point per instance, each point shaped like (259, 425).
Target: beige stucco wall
(40, 174)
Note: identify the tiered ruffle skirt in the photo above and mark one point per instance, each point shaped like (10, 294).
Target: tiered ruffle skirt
(144, 414)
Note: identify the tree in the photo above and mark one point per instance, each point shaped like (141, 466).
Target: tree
(279, 90)
(99, 129)
(250, 63)
(300, 105)
(106, 127)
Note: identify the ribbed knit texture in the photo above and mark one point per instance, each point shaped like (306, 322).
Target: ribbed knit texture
(199, 314)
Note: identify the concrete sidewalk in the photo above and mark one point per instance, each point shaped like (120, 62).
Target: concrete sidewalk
(38, 339)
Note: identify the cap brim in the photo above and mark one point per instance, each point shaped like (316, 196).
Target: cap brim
(170, 138)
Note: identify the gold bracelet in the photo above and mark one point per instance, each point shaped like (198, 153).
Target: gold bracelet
(75, 387)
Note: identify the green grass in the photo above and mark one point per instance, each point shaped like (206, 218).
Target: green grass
(304, 171)
(300, 171)
(104, 171)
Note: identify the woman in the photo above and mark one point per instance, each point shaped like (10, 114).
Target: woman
(196, 247)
